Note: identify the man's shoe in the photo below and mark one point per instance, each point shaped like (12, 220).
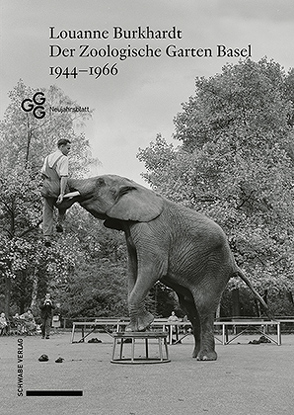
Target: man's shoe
(47, 337)
(59, 228)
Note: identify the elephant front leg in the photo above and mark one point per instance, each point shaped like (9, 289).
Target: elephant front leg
(140, 318)
(148, 262)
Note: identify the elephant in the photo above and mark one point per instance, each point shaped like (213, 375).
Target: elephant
(166, 242)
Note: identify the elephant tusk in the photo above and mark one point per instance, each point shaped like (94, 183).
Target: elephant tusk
(71, 194)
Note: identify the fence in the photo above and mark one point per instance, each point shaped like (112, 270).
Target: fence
(287, 322)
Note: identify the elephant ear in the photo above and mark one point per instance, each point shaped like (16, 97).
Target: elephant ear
(136, 203)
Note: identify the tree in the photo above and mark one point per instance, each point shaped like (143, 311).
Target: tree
(20, 214)
(27, 139)
(98, 288)
(97, 285)
(24, 141)
(235, 164)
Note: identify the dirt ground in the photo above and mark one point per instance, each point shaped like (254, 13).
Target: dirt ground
(247, 379)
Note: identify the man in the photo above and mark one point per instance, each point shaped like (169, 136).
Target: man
(3, 324)
(46, 316)
(55, 173)
(173, 328)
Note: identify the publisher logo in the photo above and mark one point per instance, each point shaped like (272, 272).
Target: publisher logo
(35, 105)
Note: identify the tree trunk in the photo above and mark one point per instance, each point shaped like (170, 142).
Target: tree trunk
(290, 297)
(34, 291)
(236, 303)
(258, 308)
(265, 296)
(7, 295)
(218, 311)
(28, 143)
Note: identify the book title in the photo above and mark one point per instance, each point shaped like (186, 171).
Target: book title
(105, 49)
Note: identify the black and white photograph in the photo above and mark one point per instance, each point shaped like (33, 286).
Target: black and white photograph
(146, 207)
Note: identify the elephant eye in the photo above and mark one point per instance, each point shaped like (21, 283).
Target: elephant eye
(125, 190)
(101, 182)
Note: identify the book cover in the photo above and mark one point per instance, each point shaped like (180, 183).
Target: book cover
(118, 78)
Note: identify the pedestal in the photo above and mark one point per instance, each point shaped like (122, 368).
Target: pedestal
(135, 348)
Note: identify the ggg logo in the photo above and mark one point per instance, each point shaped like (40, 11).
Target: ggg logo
(35, 105)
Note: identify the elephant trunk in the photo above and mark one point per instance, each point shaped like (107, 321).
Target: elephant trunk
(83, 186)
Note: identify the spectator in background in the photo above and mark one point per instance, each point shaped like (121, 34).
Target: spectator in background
(56, 320)
(3, 324)
(17, 323)
(174, 329)
(173, 317)
(29, 323)
(46, 316)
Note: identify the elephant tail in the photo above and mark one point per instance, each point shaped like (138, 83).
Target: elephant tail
(241, 274)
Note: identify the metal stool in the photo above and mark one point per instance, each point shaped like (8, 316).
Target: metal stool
(146, 336)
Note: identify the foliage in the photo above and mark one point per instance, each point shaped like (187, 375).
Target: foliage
(97, 284)
(19, 198)
(24, 142)
(27, 139)
(97, 241)
(162, 301)
(281, 303)
(235, 164)
(96, 289)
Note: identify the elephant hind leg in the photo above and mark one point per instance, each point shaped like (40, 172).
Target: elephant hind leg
(207, 348)
(206, 307)
(188, 306)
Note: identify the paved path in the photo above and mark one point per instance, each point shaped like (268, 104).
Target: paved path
(245, 380)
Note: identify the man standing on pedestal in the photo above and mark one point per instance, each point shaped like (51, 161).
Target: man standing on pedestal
(55, 173)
